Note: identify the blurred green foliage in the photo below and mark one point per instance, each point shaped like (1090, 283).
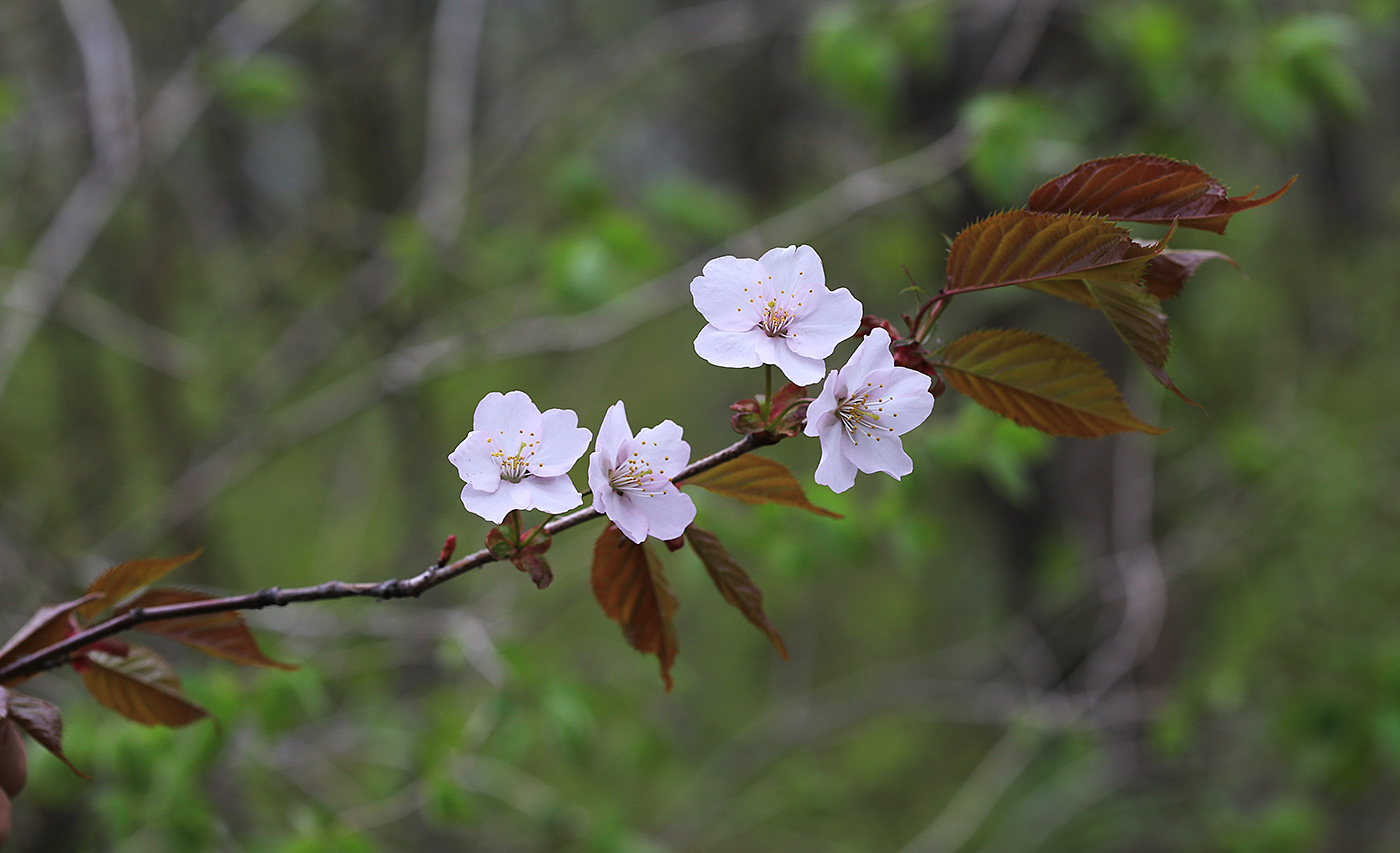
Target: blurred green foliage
(274, 340)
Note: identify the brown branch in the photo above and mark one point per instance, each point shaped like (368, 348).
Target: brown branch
(411, 587)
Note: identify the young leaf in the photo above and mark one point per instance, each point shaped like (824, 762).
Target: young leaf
(1142, 188)
(47, 626)
(756, 480)
(733, 582)
(1167, 273)
(631, 588)
(1038, 382)
(1021, 247)
(41, 721)
(122, 580)
(222, 635)
(1138, 318)
(141, 686)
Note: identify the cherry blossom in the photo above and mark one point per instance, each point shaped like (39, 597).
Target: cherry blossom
(862, 411)
(517, 457)
(774, 310)
(631, 477)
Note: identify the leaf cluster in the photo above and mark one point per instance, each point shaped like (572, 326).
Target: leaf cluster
(1065, 243)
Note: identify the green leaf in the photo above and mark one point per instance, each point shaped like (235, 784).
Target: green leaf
(756, 480)
(1143, 188)
(733, 582)
(1138, 319)
(631, 587)
(1020, 247)
(1039, 382)
(221, 635)
(122, 580)
(141, 686)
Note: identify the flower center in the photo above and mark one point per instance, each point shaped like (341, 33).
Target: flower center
(631, 477)
(515, 468)
(859, 414)
(775, 319)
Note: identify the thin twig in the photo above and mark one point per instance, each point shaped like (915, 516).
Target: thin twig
(411, 587)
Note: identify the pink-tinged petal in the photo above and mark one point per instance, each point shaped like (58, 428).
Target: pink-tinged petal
(551, 494)
(798, 369)
(823, 409)
(794, 268)
(668, 514)
(910, 402)
(885, 455)
(726, 292)
(729, 349)
(825, 319)
(834, 471)
(599, 469)
(665, 451)
(493, 506)
(614, 434)
(626, 514)
(475, 465)
(506, 414)
(562, 442)
(872, 356)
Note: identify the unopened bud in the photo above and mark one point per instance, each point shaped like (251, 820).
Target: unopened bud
(447, 548)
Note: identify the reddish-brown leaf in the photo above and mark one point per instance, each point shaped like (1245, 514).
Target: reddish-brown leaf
(141, 686)
(47, 626)
(1021, 247)
(756, 480)
(1138, 318)
(1142, 188)
(631, 587)
(734, 583)
(40, 720)
(222, 635)
(1038, 382)
(1075, 290)
(122, 580)
(1167, 273)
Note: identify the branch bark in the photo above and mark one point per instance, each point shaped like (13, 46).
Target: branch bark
(410, 587)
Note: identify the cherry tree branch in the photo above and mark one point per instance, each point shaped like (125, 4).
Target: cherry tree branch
(411, 587)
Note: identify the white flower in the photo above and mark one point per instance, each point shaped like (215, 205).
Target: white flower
(631, 477)
(862, 411)
(775, 310)
(516, 457)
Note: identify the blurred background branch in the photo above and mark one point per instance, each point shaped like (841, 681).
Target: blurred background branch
(263, 258)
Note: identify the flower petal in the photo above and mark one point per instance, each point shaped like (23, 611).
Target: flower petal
(825, 319)
(799, 370)
(872, 356)
(835, 471)
(823, 408)
(623, 511)
(562, 442)
(475, 465)
(613, 435)
(552, 494)
(506, 414)
(668, 514)
(726, 290)
(910, 402)
(878, 453)
(493, 506)
(665, 451)
(729, 349)
(793, 267)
